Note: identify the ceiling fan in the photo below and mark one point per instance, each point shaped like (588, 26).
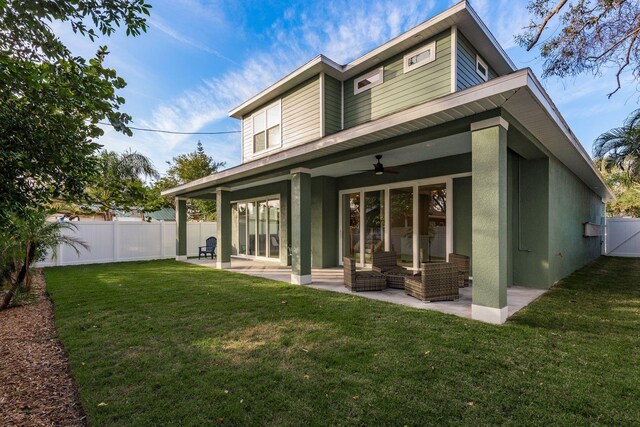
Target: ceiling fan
(378, 168)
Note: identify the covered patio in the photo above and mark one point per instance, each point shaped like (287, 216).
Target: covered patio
(331, 279)
(492, 173)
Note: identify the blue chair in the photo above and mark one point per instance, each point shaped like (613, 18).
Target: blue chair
(209, 248)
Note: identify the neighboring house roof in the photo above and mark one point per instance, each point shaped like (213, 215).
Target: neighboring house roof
(519, 94)
(164, 214)
(462, 15)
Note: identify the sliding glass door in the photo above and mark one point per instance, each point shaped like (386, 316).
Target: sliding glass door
(274, 228)
(432, 222)
(374, 224)
(401, 224)
(410, 219)
(256, 228)
(351, 226)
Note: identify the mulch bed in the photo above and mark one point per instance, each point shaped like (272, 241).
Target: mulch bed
(36, 387)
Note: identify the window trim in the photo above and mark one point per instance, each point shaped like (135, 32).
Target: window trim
(429, 46)
(379, 70)
(480, 61)
(266, 129)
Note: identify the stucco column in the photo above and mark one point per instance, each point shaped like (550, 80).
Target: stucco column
(181, 229)
(489, 219)
(300, 226)
(223, 228)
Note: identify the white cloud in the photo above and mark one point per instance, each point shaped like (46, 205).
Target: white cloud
(166, 29)
(291, 41)
(505, 18)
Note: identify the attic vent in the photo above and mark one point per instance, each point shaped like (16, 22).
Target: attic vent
(369, 80)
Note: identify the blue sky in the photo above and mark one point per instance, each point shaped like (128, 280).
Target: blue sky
(200, 58)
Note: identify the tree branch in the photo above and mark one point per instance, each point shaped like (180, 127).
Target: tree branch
(626, 63)
(544, 23)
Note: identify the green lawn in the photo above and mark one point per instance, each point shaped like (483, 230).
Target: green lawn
(167, 343)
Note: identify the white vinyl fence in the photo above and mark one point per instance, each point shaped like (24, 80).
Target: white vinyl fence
(129, 241)
(623, 237)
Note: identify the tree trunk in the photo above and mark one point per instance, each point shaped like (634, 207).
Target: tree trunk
(24, 278)
(23, 275)
(9, 295)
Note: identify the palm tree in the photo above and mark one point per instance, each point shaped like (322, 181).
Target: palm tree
(120, 183)
(620, 147)
(29, 239)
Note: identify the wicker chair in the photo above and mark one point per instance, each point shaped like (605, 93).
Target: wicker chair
(386, 262)
(357, 281)
(463, 264)
(438, 282)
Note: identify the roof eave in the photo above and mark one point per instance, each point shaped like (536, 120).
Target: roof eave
(521, 78)
(457, 14)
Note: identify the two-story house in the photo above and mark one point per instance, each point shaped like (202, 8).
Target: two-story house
(429, 144)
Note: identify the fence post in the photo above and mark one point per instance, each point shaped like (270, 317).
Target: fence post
(162, 239)
(115, 240)
(58, 254)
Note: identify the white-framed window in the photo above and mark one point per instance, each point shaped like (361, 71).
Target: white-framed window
(369, 80)
(420, 57)
(266, 128)
(481, 68)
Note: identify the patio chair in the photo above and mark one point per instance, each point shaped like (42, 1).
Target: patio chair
(463, 264)
(385, 262)
(357, 281)
(438, 282)
(209, 248)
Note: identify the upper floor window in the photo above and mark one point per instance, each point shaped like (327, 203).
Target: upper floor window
(481, 68)
(420, 57)
(266, 128)
(369, 80)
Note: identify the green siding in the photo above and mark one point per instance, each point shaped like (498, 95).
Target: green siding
(247, 138)
(223, 227)
(300, 224)
(332, 105)
(466, 65)
(462, 216)
(571, 203)
(529, 225)
(489, 217)
(301, 113)
(324, 222)
(401, 90)
(181, 227)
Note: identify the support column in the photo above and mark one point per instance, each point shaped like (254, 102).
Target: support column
(223, 228)
(181, 229)
(489, 219)
(300, 226)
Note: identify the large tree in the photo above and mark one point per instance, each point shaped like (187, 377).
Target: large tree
(188, 167)
(52, 102)
(591, 35)
(617, 153)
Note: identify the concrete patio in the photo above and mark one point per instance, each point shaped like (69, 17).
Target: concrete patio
(331, 279)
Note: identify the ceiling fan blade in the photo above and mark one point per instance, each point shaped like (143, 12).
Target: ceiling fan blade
(391, 170)
(364, 170)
